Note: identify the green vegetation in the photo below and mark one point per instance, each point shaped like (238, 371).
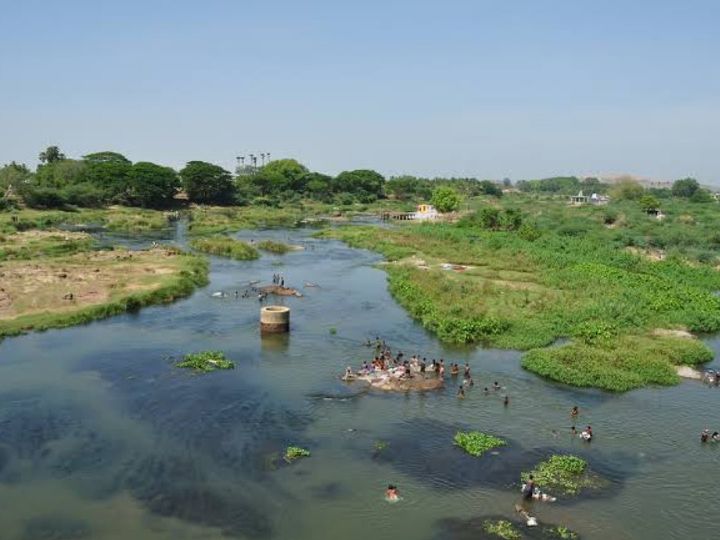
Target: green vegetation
(36, 244)
(619, 365)
(445, 199)
(502, 529)
(559, 531)
(206, 361)
(295, 452)
(608, 277)
(274, 247)
(564, 475)
(114, 218)
(225, 247)
(476, 443)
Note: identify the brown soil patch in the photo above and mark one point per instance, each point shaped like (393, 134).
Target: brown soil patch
(68, 283)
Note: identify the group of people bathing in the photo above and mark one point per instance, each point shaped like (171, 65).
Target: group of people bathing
(384, 362)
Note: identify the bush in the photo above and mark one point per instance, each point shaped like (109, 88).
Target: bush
(226, 247)
(43, 198)
(85, 195)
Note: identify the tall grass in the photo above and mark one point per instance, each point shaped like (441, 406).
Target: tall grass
(225, 247)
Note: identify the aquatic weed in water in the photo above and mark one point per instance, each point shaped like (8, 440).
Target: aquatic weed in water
(476, 443)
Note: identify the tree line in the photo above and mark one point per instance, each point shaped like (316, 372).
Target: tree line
(104, 178)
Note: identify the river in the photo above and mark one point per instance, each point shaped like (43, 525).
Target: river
(102, 437)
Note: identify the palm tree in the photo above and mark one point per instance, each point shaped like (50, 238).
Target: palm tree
(262, 157)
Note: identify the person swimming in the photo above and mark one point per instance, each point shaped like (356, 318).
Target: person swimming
(573, 431)
(715, 436)
(506, 401)
(454, 370)
(496, 386)
(461, 393)
(587, 434)
(705, 435)
(575, 411)
(391, 493)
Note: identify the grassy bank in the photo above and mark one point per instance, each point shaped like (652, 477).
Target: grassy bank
(225, 247)
(524, 291)
(114, 218)
(66, 290)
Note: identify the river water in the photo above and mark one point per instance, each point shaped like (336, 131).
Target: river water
(101, 437)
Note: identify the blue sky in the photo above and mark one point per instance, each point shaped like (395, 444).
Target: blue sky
(523, 89)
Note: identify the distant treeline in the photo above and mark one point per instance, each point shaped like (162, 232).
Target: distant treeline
(103, 178)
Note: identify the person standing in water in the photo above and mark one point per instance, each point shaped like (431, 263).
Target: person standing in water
(575, 411)
(461, 393)
(529, 488)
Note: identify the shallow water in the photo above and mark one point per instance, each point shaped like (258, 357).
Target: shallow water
(100, 437)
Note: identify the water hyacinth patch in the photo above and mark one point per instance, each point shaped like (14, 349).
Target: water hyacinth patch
(476, 443)
(562, 474)
(502, 529)
(295, 452)
(206, 361)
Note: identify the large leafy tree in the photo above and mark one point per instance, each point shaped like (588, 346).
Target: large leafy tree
(685, 187)
(51, 154)
(318, 185)
(60, 174)
(281, 175)
(151, 185)
(109, 171)
(627, 189)
(445, 199)
(402, 187)
(365, 183)
(206, 183)
(13, 174)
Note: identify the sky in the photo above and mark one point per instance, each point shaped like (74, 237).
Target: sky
(491, 89)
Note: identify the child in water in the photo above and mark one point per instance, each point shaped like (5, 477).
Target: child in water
(391, 494)
(461, 393)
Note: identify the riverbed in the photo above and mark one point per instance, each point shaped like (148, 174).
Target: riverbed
(102, 437)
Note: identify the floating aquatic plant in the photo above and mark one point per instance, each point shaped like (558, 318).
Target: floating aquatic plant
(476, 443)
(295, 452)
(206, 361)
(565, 474)
(502, 529)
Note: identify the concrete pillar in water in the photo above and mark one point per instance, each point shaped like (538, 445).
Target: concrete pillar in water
(275, 319)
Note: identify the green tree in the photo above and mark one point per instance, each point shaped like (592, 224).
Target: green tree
(627, 189)
(701, 196)
(648, 202)
(366, 184)
(206, 183)
(151, 185)
(685, 188)
(13, 174)
(109, 171)
(60, 174)
(489, 187)
(445, 199)
(282, 175)
(489, 218)
(318, 185)
(402, 187)
(51, 154)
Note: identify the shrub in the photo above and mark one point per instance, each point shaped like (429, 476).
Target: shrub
(274, 247)
(226, 247)
(502, 529)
